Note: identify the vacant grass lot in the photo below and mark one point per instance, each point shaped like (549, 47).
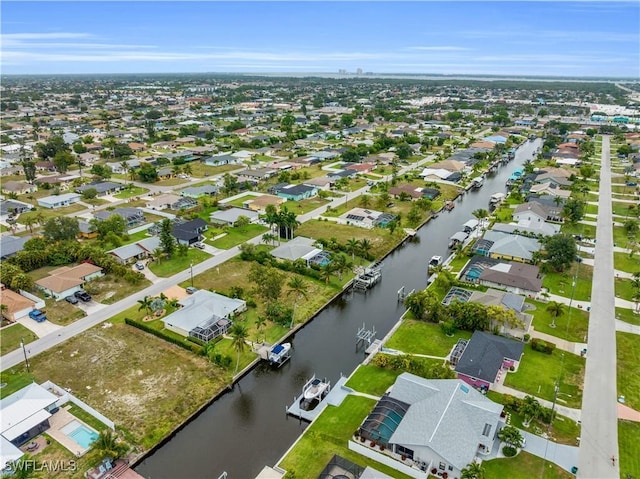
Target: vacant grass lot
(620, 237)
(624, 262)
(628, 368)
(305, 206)
(588, 231)
(147, 386)
(628, 316)
(62, 312)
(624, 289)
(201, 170)
(10, 337)
(168, 267)
(561, 283)
(628, 440)
(572, 325)
(419, 337)
(382, 241)
(236, 236)
(523, 466)
(171, 182)
(541, 370)
(328, 435)
(110, 289)
(592, 209)
(622, 209)
(131, 192)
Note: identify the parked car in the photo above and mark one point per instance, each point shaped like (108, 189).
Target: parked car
(37, 315)
(83, 295)
(139, 266)
(71, 299)
(198, 245)
(191, 290)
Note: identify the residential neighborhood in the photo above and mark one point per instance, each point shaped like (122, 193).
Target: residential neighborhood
(162, 238)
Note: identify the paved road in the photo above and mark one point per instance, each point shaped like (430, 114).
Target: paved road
(61, 335)
(599, 437)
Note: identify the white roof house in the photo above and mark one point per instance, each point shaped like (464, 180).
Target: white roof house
(202, 309)
(23, 415)
(230, 216)
(299, 247)
(59, 201)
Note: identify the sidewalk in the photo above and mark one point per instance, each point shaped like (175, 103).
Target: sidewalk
(571, 413)
(625, 327)
(571, 347)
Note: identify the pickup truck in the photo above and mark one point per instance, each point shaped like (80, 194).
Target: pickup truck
(37, 315)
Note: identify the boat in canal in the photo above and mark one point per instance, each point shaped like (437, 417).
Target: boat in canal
(496, 199)
(477, 182)
(279, 354)
(449, 205)
(434, 262)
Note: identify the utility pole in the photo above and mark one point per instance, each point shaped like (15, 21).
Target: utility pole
(192, 274)
(26, 360)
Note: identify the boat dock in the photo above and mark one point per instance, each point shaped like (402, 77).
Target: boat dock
(369, 278)
(262, 350)
(334, 398)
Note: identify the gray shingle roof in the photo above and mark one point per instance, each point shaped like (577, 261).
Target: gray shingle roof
(445, 415)
(483, 356)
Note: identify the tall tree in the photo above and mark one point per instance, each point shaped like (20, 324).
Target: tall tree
(298, 289)
(167, 241)
(560, 251)
(29, 169)
(353, 245)
(473, 471)
(145, 303)
(61, 228)
(239, 336)
(556, 310)
(62, 160)
(511, 435)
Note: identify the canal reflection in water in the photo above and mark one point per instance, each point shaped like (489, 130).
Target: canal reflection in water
(247, 428)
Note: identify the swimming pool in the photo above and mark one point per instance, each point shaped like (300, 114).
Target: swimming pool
(81, 434)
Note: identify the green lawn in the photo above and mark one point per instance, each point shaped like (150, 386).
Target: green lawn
(10, 337)
(201, 170)
(372, 379)
(628, 316)
(561, 283)
(305, 206)
(504, 214)
(588, 231)
(572, 325)
(621, 209)
(129, 193)
(539, 371)
(620, 237)
(171, 182)
(523, 466)
(628, 368)
(419, 337)
(624, 262)
(628, 440)
(48, 213)
(168, 267)
(236, 236)
(624, 289)
(327, 436)
(592, 209)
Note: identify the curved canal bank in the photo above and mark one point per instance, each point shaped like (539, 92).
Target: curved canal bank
(246, 427)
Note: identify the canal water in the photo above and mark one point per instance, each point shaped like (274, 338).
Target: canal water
(247, 428)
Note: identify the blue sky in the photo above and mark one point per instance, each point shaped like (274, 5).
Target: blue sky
(501, 38)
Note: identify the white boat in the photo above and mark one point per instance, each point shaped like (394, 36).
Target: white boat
(316, 390)
(477, 182)
(497, 198)
(279, 354)
(435, 261)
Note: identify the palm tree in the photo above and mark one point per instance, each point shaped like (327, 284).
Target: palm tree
(326, 272)
(530, 408)
(365, 201)
(238, 340)
(352, 246)
(511, 436)
(480, 213)
(29, 221)
(365, 247)
(125, 168)
(187, 169)
(473, 471)
(556, 310)
(107, 443)
(261, 322)
(157, 254)
(268, 238)
(340, 264)
(145, 303)
(298, 288)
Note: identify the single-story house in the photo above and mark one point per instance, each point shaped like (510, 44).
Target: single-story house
(162, 202)
(118, 168)
(496, 244)
(297, 192)
(131, 216)
(17, 305)
(549, 189)
(59, 201)
(518, 278)
(301, 248)
(11, 208)
(509, 301)
(204, 315)
(429, 423)
(534, 211)
(485, 357)
(260, 203)
(404, 190)
(65, 281)
(198, 191)
(129, 253)
(258, 174)
(221, 159)
(85, 230)
(23, 415)
(321, 182)
(189, 232)
(365, 218)
(529, 227)
(230, 216)
(18, 187)
(102, 187)
(360, 167)
(10, 245)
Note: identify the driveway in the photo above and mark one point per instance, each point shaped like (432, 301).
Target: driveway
(40, 329)
(90, 307)
(562, 455)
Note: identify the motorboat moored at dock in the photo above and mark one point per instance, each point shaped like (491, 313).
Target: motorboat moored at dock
(279, 354)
